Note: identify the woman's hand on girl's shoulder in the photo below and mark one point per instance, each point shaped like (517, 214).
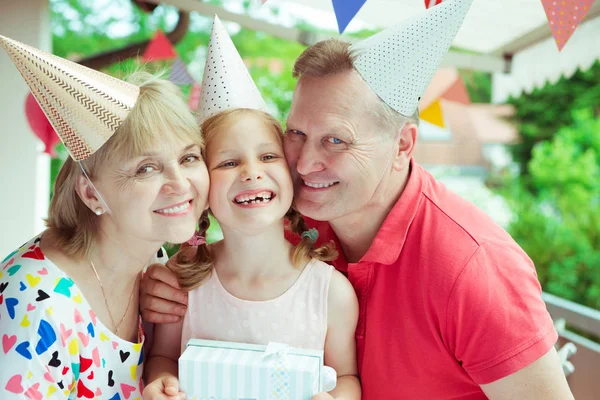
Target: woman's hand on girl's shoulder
(165, 388)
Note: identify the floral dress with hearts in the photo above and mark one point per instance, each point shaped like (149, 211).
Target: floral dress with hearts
(53, 346)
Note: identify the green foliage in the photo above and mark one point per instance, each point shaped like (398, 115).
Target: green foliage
(544, 111)
(555, 195)
(557, 218)
(479, 85)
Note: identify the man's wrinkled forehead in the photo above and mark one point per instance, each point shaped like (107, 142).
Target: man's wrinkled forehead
(343, 95)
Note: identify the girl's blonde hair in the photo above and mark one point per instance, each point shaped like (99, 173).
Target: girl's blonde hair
(159, 115)
(193, 265)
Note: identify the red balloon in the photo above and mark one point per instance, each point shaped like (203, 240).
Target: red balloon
(40, 125)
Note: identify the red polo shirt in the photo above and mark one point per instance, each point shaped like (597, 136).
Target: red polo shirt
(448, 300)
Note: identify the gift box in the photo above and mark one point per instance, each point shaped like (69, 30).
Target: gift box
(214, 370)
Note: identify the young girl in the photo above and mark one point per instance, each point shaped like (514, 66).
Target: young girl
(254, 286)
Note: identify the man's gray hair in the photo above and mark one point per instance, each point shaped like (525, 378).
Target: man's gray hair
(333, 56)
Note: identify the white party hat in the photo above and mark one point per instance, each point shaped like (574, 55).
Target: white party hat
(399, 62)
(84, 106)
(226, 83)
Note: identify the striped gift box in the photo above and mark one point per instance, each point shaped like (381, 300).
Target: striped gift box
(214, 370)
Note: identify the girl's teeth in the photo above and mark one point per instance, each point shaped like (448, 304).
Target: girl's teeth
(263, 197)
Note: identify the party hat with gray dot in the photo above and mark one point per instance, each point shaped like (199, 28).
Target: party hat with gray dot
(227, 83)
(398, 63)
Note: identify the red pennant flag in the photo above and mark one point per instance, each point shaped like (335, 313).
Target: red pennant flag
(431, 3)
(194, 97)
(564, 17)
(457, 92)
(159, 48)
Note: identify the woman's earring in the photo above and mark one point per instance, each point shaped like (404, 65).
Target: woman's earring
(98, 211)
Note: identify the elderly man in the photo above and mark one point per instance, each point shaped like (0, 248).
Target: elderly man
(450, 306)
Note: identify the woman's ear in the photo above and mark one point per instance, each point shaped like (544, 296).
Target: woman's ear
(88, 195)
(406, 144)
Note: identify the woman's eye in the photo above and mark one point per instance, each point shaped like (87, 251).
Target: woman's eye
(144, 170)
(334, 140)
(191, 158)
(295, 132)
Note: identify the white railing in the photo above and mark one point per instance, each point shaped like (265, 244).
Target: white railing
(583, 365)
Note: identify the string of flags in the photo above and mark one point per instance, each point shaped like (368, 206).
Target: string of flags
(161, 49)
(564, 16)
(456, 91)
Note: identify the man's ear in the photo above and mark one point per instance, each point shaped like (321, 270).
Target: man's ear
(87, 194)
(406, 144)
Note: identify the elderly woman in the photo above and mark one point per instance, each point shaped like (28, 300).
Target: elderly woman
(69, 320)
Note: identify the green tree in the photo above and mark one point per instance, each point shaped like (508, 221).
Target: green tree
(557, 218)
(543, 112)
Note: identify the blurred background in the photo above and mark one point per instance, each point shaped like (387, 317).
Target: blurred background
(510, 122)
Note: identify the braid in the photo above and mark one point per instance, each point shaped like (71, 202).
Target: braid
(193, 264)
(306, 250)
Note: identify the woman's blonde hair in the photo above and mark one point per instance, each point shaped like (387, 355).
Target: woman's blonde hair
(193, 265)
(160, 114)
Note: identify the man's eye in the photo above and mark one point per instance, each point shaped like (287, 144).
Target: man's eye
(227, 164)
(334, 140)
(295, 132)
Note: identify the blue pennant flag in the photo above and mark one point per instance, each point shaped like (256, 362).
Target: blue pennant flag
(345, 10)
(179, 73)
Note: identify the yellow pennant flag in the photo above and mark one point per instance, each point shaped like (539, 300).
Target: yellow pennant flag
(433, 114)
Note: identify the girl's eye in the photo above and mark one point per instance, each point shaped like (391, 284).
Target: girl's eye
(334, 140)
(268, 157)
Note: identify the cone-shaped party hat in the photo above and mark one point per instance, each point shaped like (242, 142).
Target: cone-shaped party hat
(84, 106)
(399, 62)
(227, 83)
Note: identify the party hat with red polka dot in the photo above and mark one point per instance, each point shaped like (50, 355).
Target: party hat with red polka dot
(227, 84)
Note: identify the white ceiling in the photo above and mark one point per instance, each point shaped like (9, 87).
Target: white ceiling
(489, 26)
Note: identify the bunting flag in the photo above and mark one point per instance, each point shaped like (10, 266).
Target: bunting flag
(159, 48)
(431, 3)
(564, 16)
(179, 73)
(194, 96)
(457, 92)
(433, 114)
(345, 10)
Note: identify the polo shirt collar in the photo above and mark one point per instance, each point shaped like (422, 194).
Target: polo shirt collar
(390, 238)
